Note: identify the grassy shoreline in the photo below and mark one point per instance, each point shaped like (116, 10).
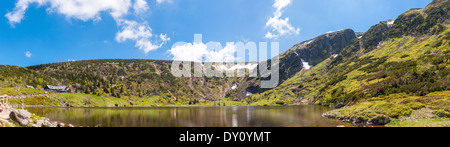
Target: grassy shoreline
(87, 100)
(399, 110)
(40, 98)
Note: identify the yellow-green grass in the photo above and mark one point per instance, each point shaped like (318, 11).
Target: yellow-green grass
(87, 100)
(409, 48)
(401, 109)
(20, 90)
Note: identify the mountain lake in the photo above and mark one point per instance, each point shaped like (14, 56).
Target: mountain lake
(245, 116)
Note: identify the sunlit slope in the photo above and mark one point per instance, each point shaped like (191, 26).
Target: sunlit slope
(409, 55)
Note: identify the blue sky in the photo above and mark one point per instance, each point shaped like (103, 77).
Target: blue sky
(51, 33)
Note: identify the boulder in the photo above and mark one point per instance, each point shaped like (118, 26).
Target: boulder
(379, 120)
(4, 122)
(70, 126)
(48, 123)
(38, 123)
(339, 106)
(21, 116)
(61, 125)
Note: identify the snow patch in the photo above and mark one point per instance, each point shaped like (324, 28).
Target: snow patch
(249, 93)
(234, 87)
(334, 56)
(306, 65)
(379, 44)
(296, 54)
(329, 32)
(390, 23)
(235, 67)
(309, 42)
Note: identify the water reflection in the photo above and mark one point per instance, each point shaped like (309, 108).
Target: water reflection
(291, 116)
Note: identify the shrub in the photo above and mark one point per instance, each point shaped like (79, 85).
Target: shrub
(415, 105)
(377, 112)
(442, 113)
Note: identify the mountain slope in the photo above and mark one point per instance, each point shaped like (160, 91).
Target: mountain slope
(11, 76)
(408, 56)
(140, 78)
(312, 52)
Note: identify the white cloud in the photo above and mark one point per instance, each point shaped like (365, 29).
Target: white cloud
(280, 4)
(141, 33)
(75, 9)
(17, 15)
(164, 37)
(199, 52)
(163, 1)
(279, 26)
(132, 30)
(270, 35)
(189, 52)
(224, 55)
(28, 54)
(147, 46)
(86, 10)
(140, 6)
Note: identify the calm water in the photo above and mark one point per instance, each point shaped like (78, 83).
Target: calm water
(290, 116)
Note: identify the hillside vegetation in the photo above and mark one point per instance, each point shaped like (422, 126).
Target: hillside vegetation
(141, 78)
(12, 76)
(411, 57)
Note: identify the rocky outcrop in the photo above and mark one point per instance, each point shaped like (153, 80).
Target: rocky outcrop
(47, 123)
(378, 121)
(27, 119)
(21, 116)
(318, 49)
(313, 51)
(429, 21)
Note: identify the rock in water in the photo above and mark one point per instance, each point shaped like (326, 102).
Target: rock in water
(21, 116)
